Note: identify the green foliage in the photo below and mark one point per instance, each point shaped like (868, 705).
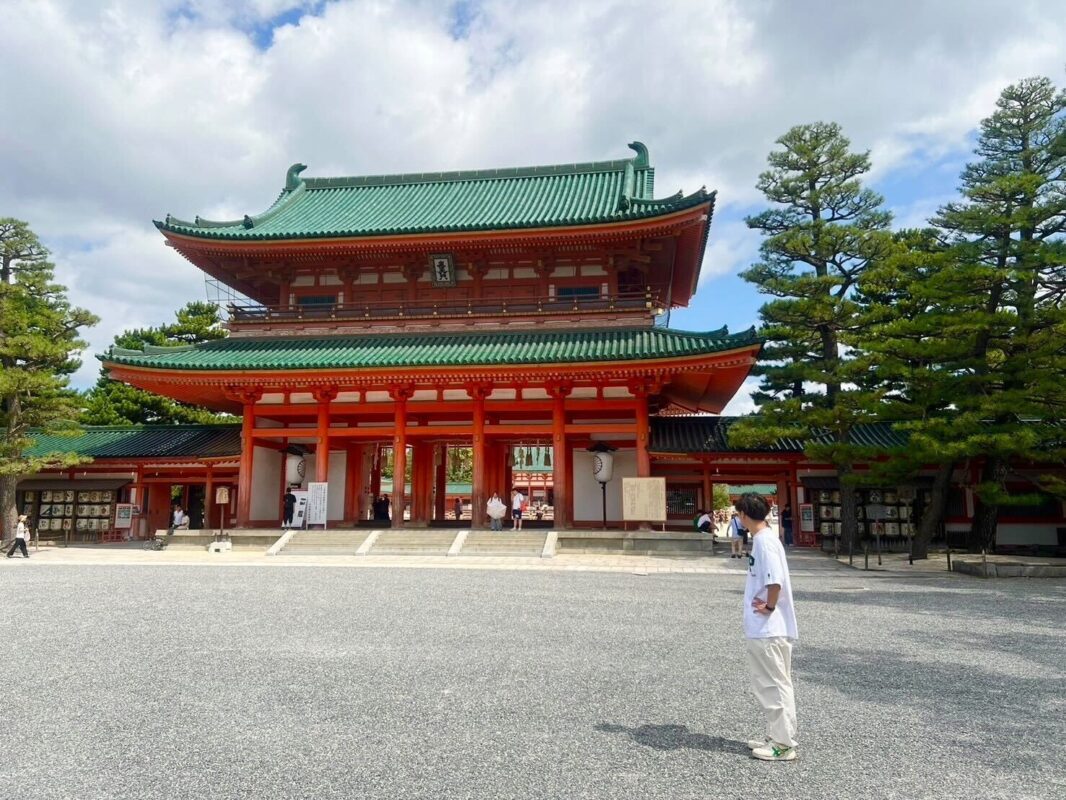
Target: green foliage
(112, 403)
(825, 231)
(721, 496)
(39, 342)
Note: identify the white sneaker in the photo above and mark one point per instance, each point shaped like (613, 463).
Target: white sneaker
(754, 744)
(774, 752)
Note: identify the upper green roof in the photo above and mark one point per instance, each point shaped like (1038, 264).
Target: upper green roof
(487, 348)
(147, 441)
(448, 202)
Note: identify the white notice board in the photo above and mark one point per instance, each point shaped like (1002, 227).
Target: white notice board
(644, 499)
(317, 494)
(123, 515)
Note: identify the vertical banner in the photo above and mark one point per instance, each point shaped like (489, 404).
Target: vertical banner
(317, 495)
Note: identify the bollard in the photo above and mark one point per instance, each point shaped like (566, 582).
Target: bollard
(866, 556)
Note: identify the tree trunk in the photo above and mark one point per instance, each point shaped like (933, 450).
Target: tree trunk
(982, 534)
(8, 509)
(933, 514)
(849, 527)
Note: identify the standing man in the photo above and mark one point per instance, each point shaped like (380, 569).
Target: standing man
(21, 534)
(786, 525)
(770, 629)
(517, 500)
(289, 501)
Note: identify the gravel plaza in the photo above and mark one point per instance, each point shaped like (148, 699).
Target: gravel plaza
(191, 679)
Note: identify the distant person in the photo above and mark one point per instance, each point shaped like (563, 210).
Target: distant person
(786, 524)
(497, 510)
(21, 534)
(381, 509)
(704, 523)
(289, 502)
(737, 535)
(517, 501)
(458, 508)
(770, 629)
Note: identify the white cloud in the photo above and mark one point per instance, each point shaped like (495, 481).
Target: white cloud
(122, 111)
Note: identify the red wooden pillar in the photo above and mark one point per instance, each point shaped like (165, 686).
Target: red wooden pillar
(642, 425)
(477, 500)
(400, 396)
(324, 396)
(439, 505)
(244, 477)
(508, 475)
(421, 482)
(708, 489)
(209, 498)
(562, 461)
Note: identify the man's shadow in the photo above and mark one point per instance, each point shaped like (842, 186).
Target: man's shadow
(675, 737)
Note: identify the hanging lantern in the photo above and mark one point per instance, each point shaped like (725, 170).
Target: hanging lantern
(547, 456)
(295, 469)
(529, 456)
(602, 462)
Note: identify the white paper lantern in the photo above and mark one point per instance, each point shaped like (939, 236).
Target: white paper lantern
(295, 469)
(602, 466)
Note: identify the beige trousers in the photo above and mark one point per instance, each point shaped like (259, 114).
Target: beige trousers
(770, 663)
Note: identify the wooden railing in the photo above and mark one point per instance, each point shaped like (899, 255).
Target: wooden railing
(647, 302)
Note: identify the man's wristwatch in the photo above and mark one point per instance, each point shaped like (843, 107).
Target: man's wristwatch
(769, 608)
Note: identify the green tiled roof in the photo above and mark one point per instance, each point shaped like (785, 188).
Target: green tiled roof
(711, 435)
(448, 202)
(441, 349)
(149, 441)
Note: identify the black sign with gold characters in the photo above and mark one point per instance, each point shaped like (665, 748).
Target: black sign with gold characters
(442, 265)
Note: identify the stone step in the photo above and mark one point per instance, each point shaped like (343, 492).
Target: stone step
(493, 543)
(409, 542)
(322, 543)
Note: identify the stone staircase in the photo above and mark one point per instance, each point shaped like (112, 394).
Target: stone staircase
(326, 543)
(413, 542)
(507, 543)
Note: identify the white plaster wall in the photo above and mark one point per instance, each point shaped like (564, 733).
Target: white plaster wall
(338, 470)
(266, 483)
(587, 496)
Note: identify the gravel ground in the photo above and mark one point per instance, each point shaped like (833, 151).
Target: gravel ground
(220, 682)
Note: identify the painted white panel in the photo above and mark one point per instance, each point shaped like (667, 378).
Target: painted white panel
(584, 391)
(377, 397)
(535, 394)
(497, 274)
(301, 397)
(526, 272)
(338, 470)
(394, 277)
(503, 394)
(616, 391)
(272, 397)
(329, 280)
(423, 395)
(456, 394)
(303, 280)
(266, 483)
(587, 497)
(366, 277)
(593, 269)
(564, 272)
(348, 397)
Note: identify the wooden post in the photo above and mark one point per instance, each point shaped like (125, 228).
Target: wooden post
(439, 505)
(324, 396)
(562, 458)
(708, 490)
(209, 498)
(248, 398)
(478, 499)
(640, 393)
(400, 396)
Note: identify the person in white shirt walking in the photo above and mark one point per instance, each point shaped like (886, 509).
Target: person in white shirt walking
(22, 533)
(770, 629)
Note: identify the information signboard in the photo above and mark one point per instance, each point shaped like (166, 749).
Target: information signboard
(317, 496)
(644, 499)
(123, 515)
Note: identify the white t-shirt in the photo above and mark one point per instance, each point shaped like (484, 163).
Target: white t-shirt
(179, 515)
(767, 565)
(734, 529)
(706, 518)
(516, 503)
(20, 530)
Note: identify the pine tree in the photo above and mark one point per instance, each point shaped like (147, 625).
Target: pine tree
(112, 403)
(1007, 240)
(39, 341)
(825, 230)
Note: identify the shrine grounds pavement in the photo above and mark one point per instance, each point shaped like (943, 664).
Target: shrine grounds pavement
(201, 681)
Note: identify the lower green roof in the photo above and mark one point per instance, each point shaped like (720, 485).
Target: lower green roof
(149, 441)
(437, 350)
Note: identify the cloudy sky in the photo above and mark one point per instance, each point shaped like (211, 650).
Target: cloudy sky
(115, 113)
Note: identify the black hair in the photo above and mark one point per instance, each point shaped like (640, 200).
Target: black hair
(753, 506)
